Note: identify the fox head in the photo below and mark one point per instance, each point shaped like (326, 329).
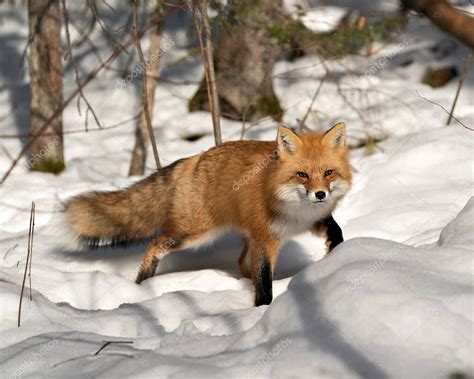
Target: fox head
(313, 167)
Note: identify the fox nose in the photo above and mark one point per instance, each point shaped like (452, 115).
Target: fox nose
(320, 195)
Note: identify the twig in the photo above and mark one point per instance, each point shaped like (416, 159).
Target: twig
(444, 109)
(212, 74)
(12, 111)
(201, 48)
(244, 129)
(103, 25)
(144, 86)
(110, 7)
(107, 343)
(72, 131)
(28, 259)
(10, 250)
(30, 243)
(139, 152)
(268, 72)
(84, 34)
(207, 57)
(87, 356)
(467, 62)
(7, 153)
(302, 122)
(85, 37)
(342, 95)
(76, 70)
(393, 97)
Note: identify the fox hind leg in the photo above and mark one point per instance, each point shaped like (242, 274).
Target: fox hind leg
(156, 251)
(243, 261)
(147, 270)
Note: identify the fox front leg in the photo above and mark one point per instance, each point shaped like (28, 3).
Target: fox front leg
(263, 262)
(331, 229)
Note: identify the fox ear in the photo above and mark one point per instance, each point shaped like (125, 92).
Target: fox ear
(336, 136)
(288, 141)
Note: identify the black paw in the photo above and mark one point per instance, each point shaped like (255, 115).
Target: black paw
(263, 284)
(263, 299)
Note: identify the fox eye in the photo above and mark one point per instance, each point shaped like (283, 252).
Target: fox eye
(328, 172)
(302, 174)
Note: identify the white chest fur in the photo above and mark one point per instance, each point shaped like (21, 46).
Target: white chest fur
(298, 218)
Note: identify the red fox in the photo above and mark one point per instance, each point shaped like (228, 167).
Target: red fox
(268, 191)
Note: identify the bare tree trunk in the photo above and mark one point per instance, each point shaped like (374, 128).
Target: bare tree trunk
(210, 73)
(446, 17)
(142, 138)
(247, 47)
(46, 89)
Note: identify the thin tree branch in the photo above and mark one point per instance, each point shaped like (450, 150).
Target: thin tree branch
(342, 95)
(28, 260)
(107, 343)
(103, 25)
(201, 48)
(144, 85)
(12, 111)
(76, 70)
(72, 131)
(444, 109)
(7, 153)
(30, 243)
(302, 122)
(467, 63)
(207, 56)
(266, 77)
(85, 37)
(110, 7)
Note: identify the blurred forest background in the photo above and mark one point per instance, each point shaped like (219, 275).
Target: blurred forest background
(238, 44)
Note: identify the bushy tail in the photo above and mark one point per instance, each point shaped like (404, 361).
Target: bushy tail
(101, 218)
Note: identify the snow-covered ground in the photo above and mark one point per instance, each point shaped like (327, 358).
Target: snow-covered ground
(395, 300)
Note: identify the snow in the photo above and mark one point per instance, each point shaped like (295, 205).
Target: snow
(394, 301)
(322, 19)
